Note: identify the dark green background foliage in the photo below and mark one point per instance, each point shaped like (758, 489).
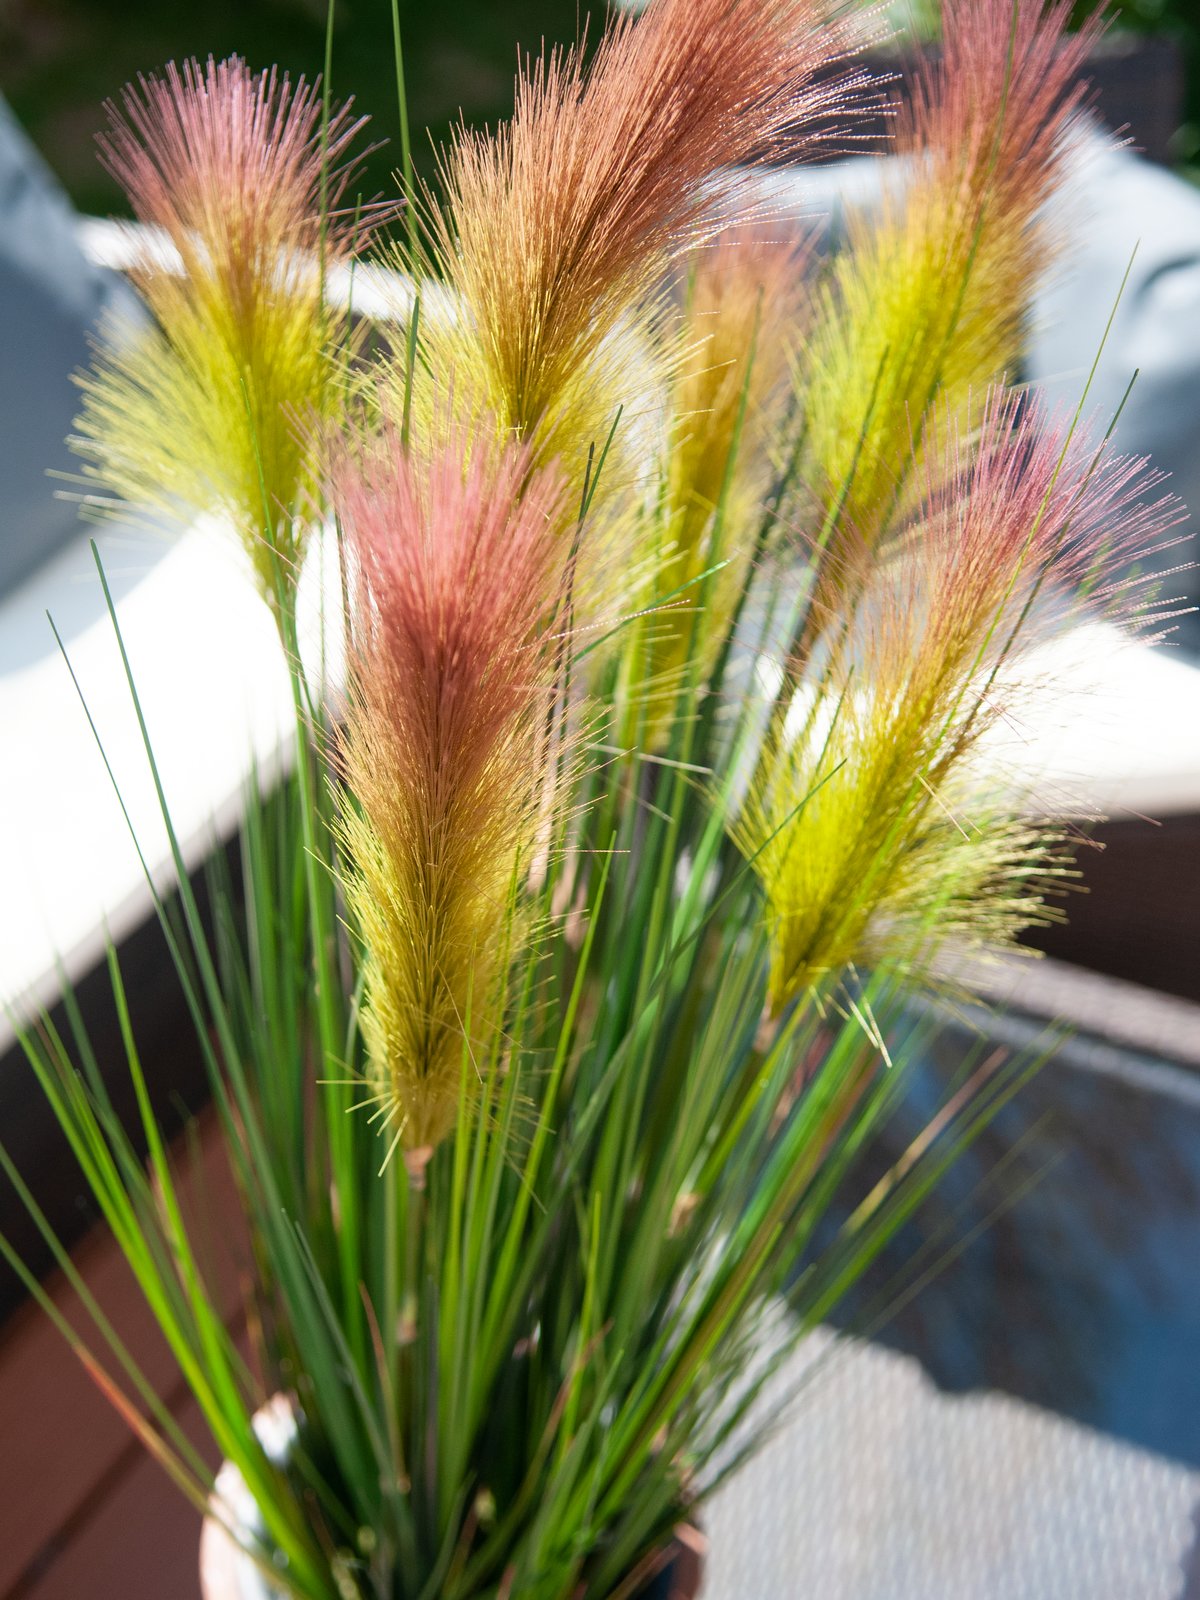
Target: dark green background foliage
(59, 59)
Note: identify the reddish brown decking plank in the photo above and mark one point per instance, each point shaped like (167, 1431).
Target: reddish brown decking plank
(140, 1542)
(60, 1441)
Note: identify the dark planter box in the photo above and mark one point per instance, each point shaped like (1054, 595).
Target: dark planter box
(1138, 913)
(1137, 90)
(1072, 1225)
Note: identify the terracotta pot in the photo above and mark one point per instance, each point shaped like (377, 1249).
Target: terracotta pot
(228, 1573)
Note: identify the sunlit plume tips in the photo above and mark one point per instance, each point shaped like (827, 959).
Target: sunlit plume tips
(458, 578)
(878, 826)
(563, 222)
(213, 406)
(931, 295)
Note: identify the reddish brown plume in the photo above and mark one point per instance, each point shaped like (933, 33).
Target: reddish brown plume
(557, 223)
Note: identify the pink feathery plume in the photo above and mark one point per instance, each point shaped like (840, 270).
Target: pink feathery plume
(878, 824)
(556, 224)
(996, 104)
(458, 574)
(199, 411)
(227, 160)
(1031, 510)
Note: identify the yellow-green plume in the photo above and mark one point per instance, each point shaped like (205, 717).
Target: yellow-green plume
(931, 295)
(214, 407)
(875, 825)
(457, 572)
(728, 402)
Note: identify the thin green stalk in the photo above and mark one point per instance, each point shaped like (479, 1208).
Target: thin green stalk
(406, 159)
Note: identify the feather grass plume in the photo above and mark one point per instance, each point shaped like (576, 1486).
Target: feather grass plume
(931, 297)
(457, 575)
(742, 316)
(238, 175)
(876, 827)
(560, 225)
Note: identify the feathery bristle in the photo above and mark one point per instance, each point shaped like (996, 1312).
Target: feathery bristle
(457, 577)
(931, 296)
(875, 827)
(229, 164)
(561, 222)
(236, 171)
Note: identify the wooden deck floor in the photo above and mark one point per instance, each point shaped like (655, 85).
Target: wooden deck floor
(85, 1514)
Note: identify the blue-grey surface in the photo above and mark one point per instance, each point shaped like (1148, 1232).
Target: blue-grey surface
(1083, 1296)
(879, 1487)
(51, 300)
(1034, 1428)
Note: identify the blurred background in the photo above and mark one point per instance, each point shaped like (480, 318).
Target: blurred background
(60, 59)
